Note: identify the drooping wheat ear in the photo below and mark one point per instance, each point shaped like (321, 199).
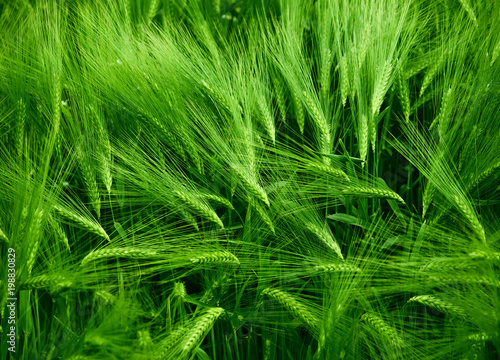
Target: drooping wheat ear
(105, 296)
(3, 236)
(440, 305)
(428, 197)
(251, 184)
(336, 267)
(94, 339)
(365, 42)
(36, 229)
(483, 337)
(21, 108)
(267, 349)
(81, 221)
(55, 283)
(363, 137)
(105, 164)
(202, 325)
(279, 92)
(404, 96)
(144, 339)
(216, 257)
(431, 73)
(188, 143)
(465, 279)
(372, 192)
(249, 147)
(321, 124)
(208, 295)
(123, 252)
(199, 206)
(484, 174)
(326, 66)
(442, 118)
(56, 99)
(468, 8)
(294, 306)
(344, 79)
(489, 256)
(153, 8)
(189, 218)
(217, 199)
(447, 264)
(169, 342)
(379, 325)
(380, 89)
(262, 214)
(266, 117)
(172, 139)
(328, 169)
(179, 291)
(90, 182)
(59, 232)
(325, 236)
(471, 216)
(299, 110)
(217, 6)
(217, 98)
(209, 41)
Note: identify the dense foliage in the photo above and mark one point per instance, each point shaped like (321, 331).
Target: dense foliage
(286, 179)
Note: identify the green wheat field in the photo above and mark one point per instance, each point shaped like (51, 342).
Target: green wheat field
(246, 180)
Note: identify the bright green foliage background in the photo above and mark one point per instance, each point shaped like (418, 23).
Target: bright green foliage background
(209, 179)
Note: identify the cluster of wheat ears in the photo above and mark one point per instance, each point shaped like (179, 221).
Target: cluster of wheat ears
(268, 179)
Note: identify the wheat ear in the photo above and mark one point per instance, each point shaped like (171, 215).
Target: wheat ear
(294, 306)
(372, 192)
(438, 304)
(216, 257)
(200, 206)
(325, 237)
(123, 252)
(84, 222)
(202, 325)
